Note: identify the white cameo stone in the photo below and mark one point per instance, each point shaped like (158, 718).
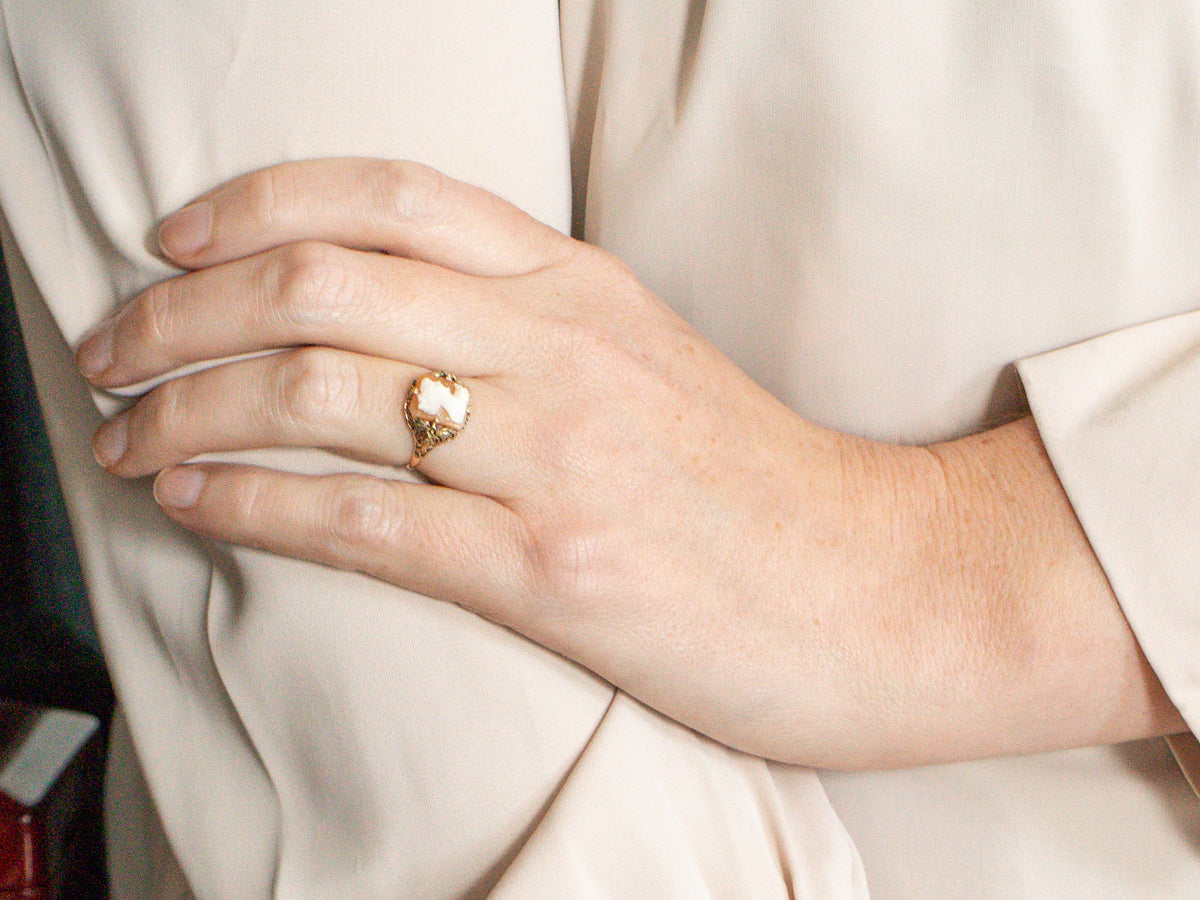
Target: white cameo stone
(434, 396)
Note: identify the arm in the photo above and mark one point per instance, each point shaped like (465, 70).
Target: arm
(623, 494)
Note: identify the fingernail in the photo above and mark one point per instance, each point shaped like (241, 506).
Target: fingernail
(187, 232)
(96, 353)
(179, 487)
(111, 441)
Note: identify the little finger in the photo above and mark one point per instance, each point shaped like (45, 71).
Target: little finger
(439, 542)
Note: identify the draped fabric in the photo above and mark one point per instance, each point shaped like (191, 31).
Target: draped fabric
(903, 219)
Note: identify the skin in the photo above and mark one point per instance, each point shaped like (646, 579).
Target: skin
(622, 494)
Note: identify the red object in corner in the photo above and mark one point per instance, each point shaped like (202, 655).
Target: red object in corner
(21, 848)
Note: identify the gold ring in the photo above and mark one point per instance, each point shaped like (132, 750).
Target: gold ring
(436, 409)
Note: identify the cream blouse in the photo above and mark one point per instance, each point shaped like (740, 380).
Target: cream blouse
(900, 218)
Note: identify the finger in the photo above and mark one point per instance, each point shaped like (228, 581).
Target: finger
(440, 542)
(402, 208)
(307, 293)
(312, 397)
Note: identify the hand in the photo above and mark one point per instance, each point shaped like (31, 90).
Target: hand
(622, 493)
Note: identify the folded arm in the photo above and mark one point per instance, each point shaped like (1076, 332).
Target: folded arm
(622, 494)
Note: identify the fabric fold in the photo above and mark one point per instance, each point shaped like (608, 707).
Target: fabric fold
(691, 819)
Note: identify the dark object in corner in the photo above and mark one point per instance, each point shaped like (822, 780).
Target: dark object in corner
(49, 654)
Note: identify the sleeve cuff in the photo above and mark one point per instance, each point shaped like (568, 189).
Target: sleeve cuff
(1120, 418)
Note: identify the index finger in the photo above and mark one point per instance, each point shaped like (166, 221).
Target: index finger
(400, 208)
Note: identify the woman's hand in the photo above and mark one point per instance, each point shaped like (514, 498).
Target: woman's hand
(622, 493)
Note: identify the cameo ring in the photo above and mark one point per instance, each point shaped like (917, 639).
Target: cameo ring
(436, 409)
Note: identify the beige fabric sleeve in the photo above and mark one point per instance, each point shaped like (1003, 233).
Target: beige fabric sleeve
(1118, 416)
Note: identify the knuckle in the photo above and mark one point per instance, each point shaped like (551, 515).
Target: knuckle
(270, 197)
(251, 504)
(566, 565)
(317, 386)
(167, 410)
(151, 313)
(585, 347)
(603, 265)
(365, 520)
(567, 342)
(404, 191)
(308, 283)
(615, 288)
(591, 261)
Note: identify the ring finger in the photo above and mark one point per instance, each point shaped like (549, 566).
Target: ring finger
(309, 397)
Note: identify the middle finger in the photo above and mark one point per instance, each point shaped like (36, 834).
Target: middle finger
(308, 293)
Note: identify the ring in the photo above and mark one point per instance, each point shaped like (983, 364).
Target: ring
(436, 409)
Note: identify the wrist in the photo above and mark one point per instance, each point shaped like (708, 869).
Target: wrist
(989, 624)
